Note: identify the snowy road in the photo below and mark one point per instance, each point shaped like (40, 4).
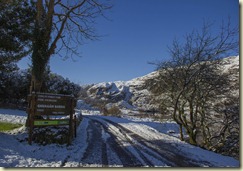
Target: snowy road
(104, 141)
(131, 145)
(114, 144)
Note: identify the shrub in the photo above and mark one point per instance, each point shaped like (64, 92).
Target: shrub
(112, 111)
(49, 135)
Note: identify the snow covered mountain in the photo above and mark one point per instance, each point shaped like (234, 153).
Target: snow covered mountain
(128, 94)
(134, 94)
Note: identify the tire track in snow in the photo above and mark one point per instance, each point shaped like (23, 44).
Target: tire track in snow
(149, 157)
(159, 150)
(131, 155)
(126, 157)
(95, 153)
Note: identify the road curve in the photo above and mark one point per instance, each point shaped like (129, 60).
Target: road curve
(111, 144)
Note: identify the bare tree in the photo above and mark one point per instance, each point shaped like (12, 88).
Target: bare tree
(62, 25)
(192, 77)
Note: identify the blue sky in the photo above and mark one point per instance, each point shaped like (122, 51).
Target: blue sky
(139, 32)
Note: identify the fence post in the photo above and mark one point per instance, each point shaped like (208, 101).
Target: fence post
(71, 121)
(31, 116)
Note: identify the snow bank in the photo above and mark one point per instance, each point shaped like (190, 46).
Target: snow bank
(13, 116)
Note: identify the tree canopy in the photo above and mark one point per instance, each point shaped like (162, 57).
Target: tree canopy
(16, 18)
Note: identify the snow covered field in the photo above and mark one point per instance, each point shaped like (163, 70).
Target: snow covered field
(107, 142)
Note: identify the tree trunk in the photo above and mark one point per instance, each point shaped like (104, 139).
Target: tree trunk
(192, 137)
(41, 40)
(36, 84)
(40, 56)
(181, 132)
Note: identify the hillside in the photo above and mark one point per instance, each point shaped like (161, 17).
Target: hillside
(134, 94)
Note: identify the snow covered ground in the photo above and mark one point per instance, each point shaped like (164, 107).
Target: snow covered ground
(106, 142)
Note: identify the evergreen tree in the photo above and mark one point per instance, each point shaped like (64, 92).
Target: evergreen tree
(16, 18)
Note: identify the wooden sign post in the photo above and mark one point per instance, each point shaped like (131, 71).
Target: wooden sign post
(44, 105)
